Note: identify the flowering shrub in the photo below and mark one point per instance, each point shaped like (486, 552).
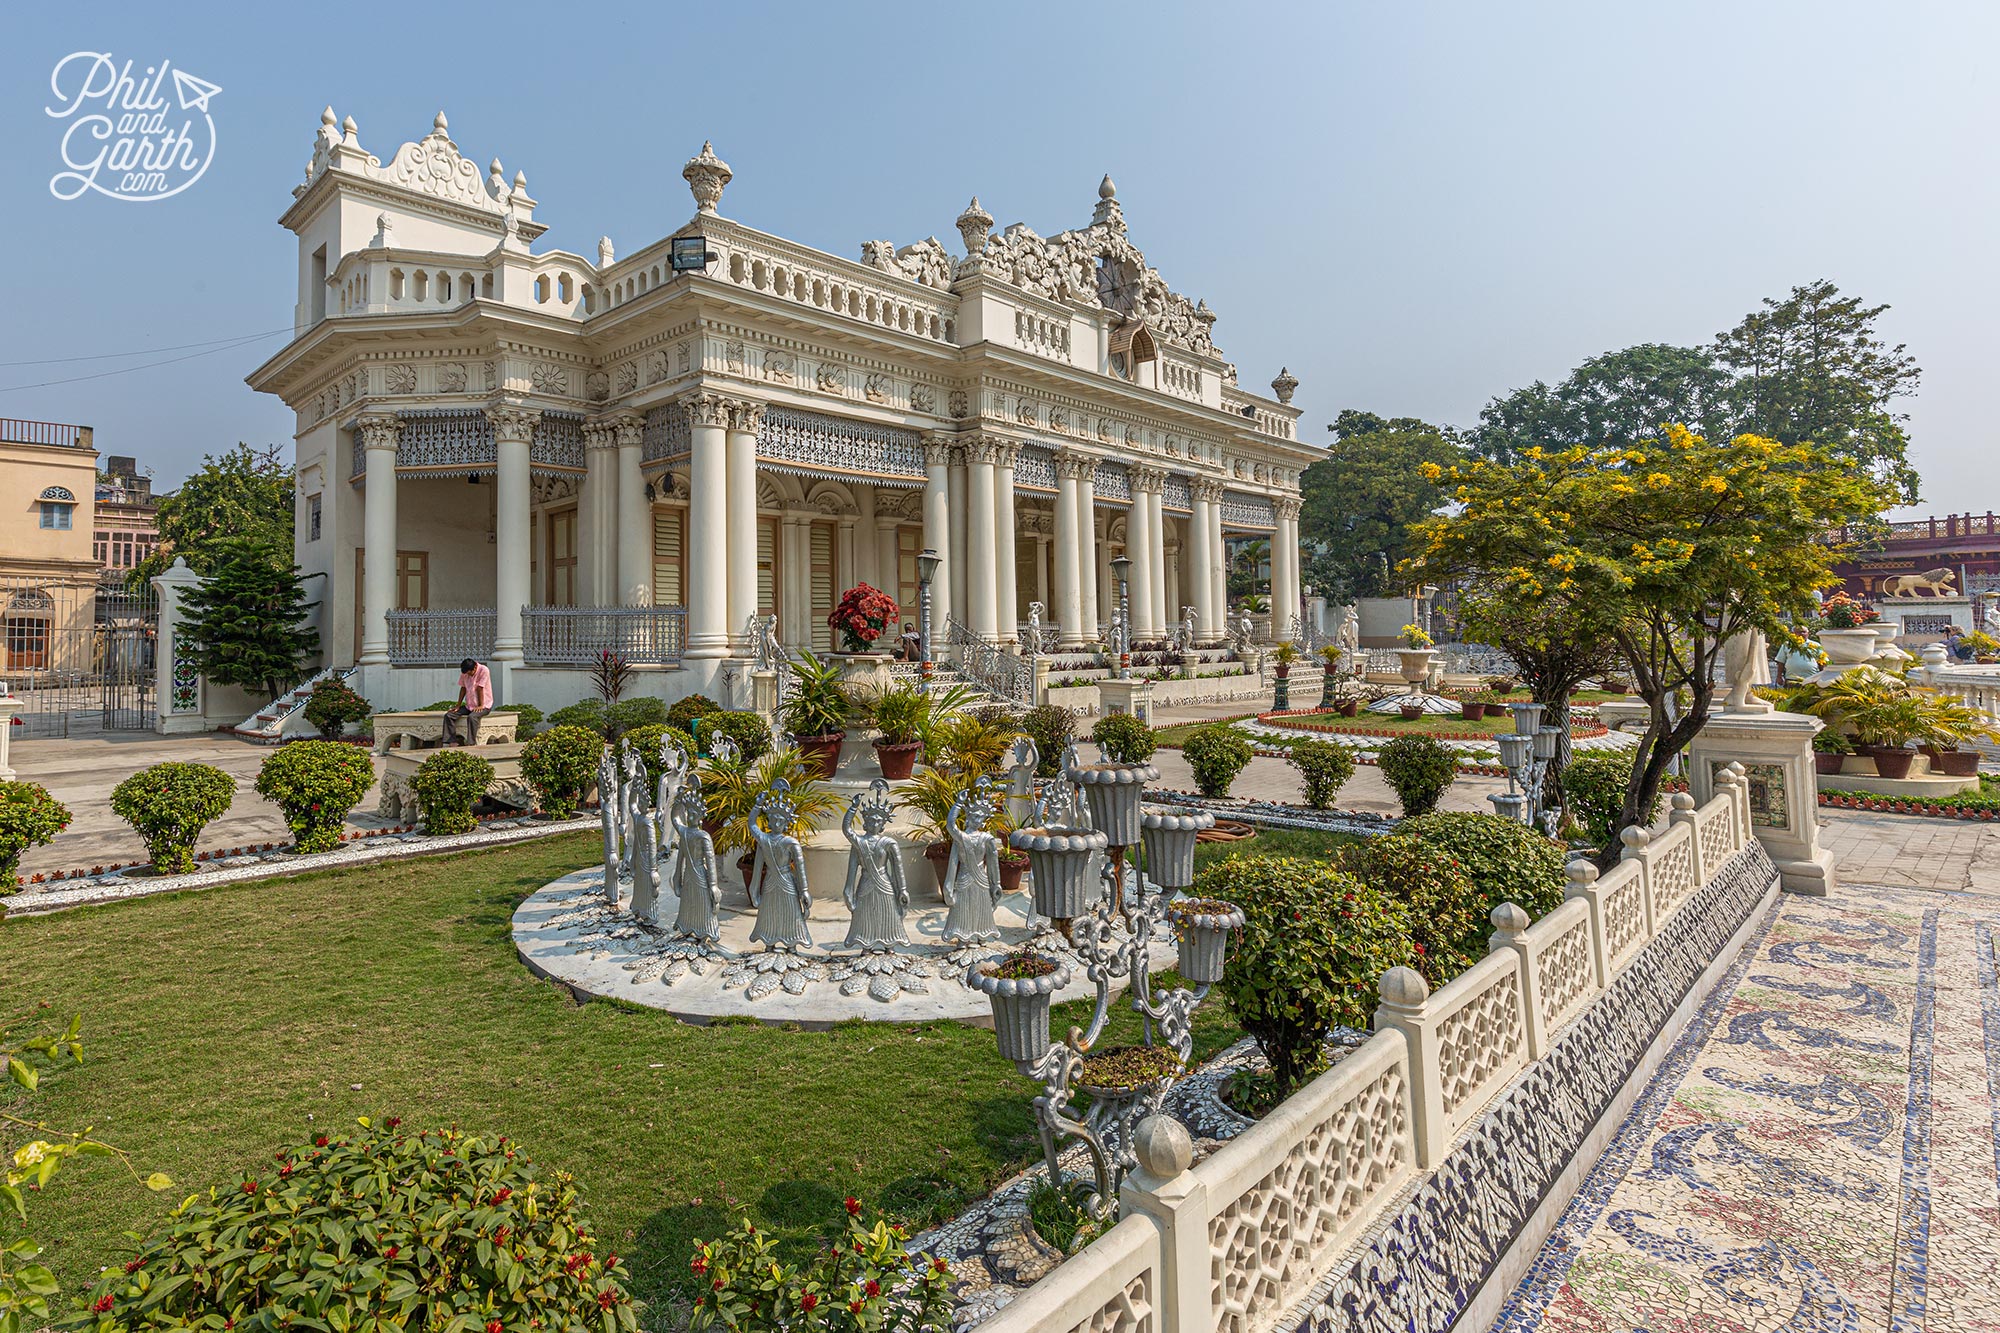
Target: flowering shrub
(1217, 755)
(168, 805)
(29, 817)
(1314, 944)
(688, 709)
(1446, 929)
(315, 783)
(561, 764)
(376, 1229)
(1420, 768)
(864, 1281)
(1595, 782)
(862, 615)
(1842, 612)
(447, 784)
(1124, 738)
(1053, 728)
(1453, 868)
(1414, 637)
(1324, 766)
(332, 705)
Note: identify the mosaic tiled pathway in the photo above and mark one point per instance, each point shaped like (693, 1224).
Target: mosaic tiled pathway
(1821, 1151)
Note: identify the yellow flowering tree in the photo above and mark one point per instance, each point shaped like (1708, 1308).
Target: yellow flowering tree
(1673, 546)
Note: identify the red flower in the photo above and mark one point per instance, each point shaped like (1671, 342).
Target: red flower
(320, 1142)
(493, 1326)
(394, 1121)
(612, 1262)
(103, 1304)
(854, 1307)
(249, 1187)
(718, 1284)
(938, 1264)
(700, 1264)
(390, 1253)
(853, 1206)
(502, 1194)
(873, 1288)
(133, 1265)
(808, 1301)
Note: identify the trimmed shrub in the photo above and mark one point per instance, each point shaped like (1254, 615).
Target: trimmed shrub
(332, 705)
(375, 1229)
(315, 783)
(1324, 766)
(1124, 738)
(1447, 931)
(1216, 754)
(1595, 783)
(646, 740)
(1509, 861)
(1315, 943)
(687, 710)
(530, 718)
(1420, 768)
(448, 785)
(1053, 728)
(29, 817)
(168, 805)
(585, 713)
(749, 731)
(626, 714)
(561, 764)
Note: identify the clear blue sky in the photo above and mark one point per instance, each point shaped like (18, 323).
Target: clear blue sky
(1415, 207)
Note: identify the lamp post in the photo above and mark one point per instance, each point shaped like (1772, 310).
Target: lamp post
(1121, 569)
(927, 565)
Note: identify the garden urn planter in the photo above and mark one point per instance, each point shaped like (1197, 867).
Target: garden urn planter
(1169, 838)
(864, 674)
(1281, 690)
(1020, 1007)
(1416, 665)
(1892, 762)
(823, 751)
(1204, 926)
(1887, 655)
(1411, 712)
(1827, 764)
(1953, 763)
(1113, 791)
(897, 761)
(1847, 647)
(1060, 859)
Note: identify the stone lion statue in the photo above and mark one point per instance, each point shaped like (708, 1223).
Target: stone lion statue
(1937, 581)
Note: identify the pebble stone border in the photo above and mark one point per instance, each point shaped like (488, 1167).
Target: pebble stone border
(108, 884)
(1578, 730)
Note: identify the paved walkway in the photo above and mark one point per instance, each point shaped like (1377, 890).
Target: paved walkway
(1821, 1150)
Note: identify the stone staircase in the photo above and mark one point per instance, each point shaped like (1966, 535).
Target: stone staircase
(267, 725)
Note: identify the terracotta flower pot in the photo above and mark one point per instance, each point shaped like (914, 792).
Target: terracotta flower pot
(1013, 868)
(1828, 764)
(1350, 707)
(1892, 763)
(937, 853)
(823, 751)
(897, 761)
(1471, 711)
(1411, 714)
(1955, 763)
(1495, 710)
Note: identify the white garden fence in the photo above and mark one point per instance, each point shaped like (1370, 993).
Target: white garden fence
(1237, 1243)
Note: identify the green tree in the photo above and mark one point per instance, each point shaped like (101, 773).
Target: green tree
(1810, 368)
(245, 493)
(1357, 505)
(248, 618)
(1618, 398)
(1678, 544)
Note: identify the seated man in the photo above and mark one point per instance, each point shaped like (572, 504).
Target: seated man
(475, 700)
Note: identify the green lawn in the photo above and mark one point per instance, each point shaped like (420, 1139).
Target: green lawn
(220, 1025)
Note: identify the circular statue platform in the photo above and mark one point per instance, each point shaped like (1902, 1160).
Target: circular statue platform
(566, 931)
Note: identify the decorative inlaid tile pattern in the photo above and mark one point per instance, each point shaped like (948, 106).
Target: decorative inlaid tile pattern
(1821, 1151)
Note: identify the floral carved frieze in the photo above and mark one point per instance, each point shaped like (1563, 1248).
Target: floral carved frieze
(548, 377)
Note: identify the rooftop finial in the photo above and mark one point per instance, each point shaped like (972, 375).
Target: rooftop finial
(975, 224)
(1285, 385)
(706, 174)
(439, 124)
(327, 119)
(1108, 213)
(1105, 188)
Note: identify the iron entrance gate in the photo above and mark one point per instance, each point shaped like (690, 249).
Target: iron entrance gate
(78, 653)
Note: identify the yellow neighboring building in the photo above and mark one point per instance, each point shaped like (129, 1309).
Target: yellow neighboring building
(48, 488)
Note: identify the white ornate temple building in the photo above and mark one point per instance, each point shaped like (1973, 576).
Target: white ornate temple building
(527, 457)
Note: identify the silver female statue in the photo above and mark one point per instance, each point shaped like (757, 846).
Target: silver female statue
(642, 838)
(875, 892)
(633, 793)
(695, 880)
(972, 874)
(610, 809)
(778, 875)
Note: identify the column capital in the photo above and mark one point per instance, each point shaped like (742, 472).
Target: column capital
(379, 430)
(600, 433)
(1147, 478)
(745, 415)
(984, 448)
(512, 422)
(1205, 490)
(708, 409)
(630, 428)
(1006, 453)
(1287, 507)
(938, 450)
(1074, 466)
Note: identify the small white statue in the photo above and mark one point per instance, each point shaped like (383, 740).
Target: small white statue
(972, 874)
(1741, 654)
(875, 893)
(643, 840)
(778, 875)
(1031, 639)
(1249, 632)
(1187, 629)
(1350, 631)
(695, 880)
(610, 805)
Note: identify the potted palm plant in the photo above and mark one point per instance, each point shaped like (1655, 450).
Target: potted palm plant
(1886, 723)
(1329, 690)
(1948, 725)
(901, 715)
(929, 796)
(816, 712)
(1830, 751)
(1283, 656)
(731, 791)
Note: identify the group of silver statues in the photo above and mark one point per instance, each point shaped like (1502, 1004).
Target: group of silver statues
(654, 839)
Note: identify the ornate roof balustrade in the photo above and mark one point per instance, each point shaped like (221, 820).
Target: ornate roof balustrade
(811, 442)
(1261, 416)
(459, 443)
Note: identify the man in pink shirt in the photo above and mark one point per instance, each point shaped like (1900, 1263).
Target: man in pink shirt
(475, 700)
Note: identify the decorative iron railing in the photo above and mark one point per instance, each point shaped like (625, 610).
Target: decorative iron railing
(440, 638)
(1040, 639)
(576, 635)
(1476, 659)
(1001, 674)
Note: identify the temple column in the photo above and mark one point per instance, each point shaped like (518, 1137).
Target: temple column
(1086, 550)
(635, 516)
(513, 430)
(937, 524)
(1139, 548)
(1174, 547)
(597, 542)
(889, 558)
(708, 526)
(744, 421)
(982, 584)
(1207, 616)
(1163, 614)
(1070, 471)
(1218, 571)
(1042, 572)
(1285, 569)
(844, 555)
(379, 434)
(795, 552)
(954, 556)
(1006, 590)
